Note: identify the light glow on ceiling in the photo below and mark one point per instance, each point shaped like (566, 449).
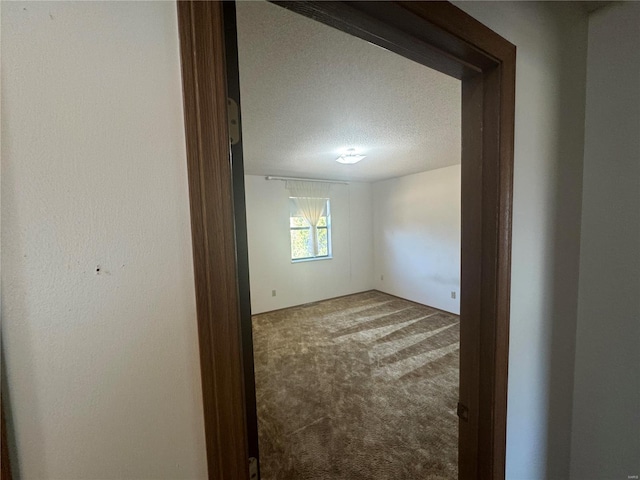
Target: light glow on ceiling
(350, 157)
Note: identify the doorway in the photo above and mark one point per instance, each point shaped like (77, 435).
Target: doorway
(437, 35)
(356, 334)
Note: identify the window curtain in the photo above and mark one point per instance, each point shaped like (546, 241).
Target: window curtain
(310, 201)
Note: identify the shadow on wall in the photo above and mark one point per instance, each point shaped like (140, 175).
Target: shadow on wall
(8, 436)
(16, 289)
(565, 256)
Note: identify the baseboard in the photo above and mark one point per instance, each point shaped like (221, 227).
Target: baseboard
(413, 301)
(300, 305)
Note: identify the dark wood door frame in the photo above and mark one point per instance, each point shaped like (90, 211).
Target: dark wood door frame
(440, 36)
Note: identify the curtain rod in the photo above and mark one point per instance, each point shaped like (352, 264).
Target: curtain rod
(271, 177)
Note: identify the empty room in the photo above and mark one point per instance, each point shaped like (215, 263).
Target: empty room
(127, 348)
(352, 187)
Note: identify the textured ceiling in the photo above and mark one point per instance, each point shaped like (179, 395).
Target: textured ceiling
(309, 92)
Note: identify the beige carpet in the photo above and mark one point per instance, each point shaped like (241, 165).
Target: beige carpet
(358, 387)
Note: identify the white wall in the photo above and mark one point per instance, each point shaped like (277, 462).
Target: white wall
(550, 88)
(102, 368)
(417, 237)
(606, 416)
(270, 268)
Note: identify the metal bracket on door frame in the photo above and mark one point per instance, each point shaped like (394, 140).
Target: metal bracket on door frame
(253, 468)
(233, 115)
(463, 412)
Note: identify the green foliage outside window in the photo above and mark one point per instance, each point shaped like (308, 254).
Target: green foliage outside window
(301, 242)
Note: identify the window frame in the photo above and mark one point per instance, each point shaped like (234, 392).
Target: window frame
(326, 227)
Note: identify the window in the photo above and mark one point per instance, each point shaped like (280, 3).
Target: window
(307, 242)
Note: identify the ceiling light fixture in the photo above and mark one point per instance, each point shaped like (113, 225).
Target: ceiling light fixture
(350, 157)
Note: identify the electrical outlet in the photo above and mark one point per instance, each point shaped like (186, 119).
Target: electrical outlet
(273, 293)
(453, 295)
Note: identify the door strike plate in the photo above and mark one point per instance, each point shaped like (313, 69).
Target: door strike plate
(253, 468)
(463, 412)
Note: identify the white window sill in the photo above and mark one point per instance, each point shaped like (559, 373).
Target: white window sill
(314, 259)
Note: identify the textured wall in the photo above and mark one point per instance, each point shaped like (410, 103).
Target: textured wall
(606, 416)
(270, 267)
(103, 368)
(98, 307)
(549, 134)
(417, 237)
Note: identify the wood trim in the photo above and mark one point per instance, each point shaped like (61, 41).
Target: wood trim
(242, 246)
(388, 25)
(442, 37)
(460, 34)
(503, 257)
(471, 274)
(212, 225)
